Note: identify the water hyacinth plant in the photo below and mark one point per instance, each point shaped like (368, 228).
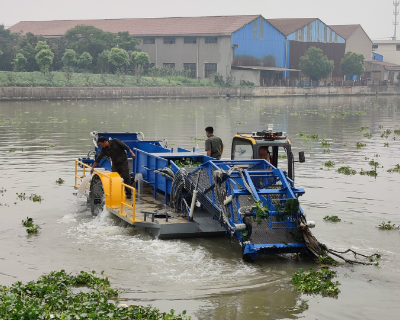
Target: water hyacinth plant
(359, 145)
(329, 164)
(56, 296)
(387, 226)
(30, 227)
(395, 169)
(347, 171)
(332, 218)
(314, 282)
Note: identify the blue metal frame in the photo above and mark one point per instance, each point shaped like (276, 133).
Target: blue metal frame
(287, 191)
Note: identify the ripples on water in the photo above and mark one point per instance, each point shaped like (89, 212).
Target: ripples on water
(40, 141)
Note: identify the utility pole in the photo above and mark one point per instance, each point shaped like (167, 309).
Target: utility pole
(396, 3)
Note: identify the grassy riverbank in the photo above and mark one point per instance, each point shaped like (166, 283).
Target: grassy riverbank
(70, 79)
(59, 295)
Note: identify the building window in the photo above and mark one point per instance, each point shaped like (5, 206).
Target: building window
(169, 40)
(209, 69)
(149, 40)
(397, 47)
(189, 40)
(374, 46)
(148, 66)
(211, 39)
(169, 65)
(191, 67)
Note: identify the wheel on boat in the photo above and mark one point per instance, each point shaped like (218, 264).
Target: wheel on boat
(96, 196)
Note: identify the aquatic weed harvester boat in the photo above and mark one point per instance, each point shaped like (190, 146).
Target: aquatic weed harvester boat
(182, 193)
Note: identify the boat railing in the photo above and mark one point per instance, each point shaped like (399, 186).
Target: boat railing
(126, 204)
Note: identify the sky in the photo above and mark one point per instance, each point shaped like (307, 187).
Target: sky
(375, 16)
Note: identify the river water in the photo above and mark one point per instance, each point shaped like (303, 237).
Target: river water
(206, 277)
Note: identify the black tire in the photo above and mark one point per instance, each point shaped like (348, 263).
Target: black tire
(96, 196)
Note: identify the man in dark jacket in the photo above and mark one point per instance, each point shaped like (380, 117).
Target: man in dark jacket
(213, 144)
(115, 149)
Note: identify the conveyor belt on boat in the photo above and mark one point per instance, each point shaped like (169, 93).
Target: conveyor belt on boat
(268, 185)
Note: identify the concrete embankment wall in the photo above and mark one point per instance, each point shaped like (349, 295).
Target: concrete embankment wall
(50, 93)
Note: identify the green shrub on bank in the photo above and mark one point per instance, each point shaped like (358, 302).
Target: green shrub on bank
(71, 79)
(59, 295)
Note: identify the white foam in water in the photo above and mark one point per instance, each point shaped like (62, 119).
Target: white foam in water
(175, 260)
(83, 189)
(67, 219)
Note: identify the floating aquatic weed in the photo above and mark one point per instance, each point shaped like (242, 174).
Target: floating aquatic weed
(329, 164)
(360, 145)
(387, 226)
(326, 260)
(397, 132)
(314, 282)
(325, 143)
(395, 169)
(309, 136)
(386, 133)
(282, 156)
(386, 144)
(60, 181)
(35, 198)
(84, 121)
(338, 116)
(30, 227)
(21, 196)
(373, 163)
(360, 113)
(194, 139)
(345, 144)
(368, 135)
(371, 173)
(327, 151)
(347, 171)
(332, 218)
(362, 129)
(53, 296)
(2, 191)
(52, 146)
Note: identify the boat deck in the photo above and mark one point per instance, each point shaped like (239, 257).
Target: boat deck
(161, 222)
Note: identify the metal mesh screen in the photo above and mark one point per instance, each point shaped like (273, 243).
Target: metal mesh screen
(262, 233)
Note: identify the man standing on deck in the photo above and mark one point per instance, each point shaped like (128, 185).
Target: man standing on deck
(115, 149)
(214, 145)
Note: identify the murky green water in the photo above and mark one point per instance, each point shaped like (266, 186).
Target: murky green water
(40, 140)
